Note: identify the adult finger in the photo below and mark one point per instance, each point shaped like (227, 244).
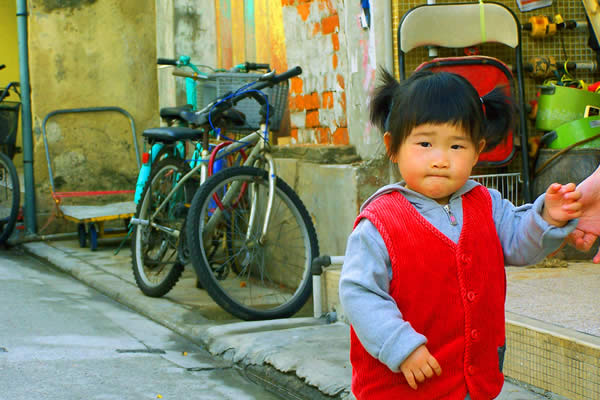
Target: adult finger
(596, 259)
(410, 378)
(585, 241)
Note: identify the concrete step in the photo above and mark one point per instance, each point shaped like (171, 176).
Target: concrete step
(552, 326)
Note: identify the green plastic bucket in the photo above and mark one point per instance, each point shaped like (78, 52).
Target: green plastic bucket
(558, 105)
(573, 132)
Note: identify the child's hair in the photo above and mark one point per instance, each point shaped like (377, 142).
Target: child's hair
(439, 98)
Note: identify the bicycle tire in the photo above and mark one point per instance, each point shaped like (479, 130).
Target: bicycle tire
(156, 264)
(10, 194)
(243, 268)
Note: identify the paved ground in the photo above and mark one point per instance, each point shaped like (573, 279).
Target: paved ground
(306, 356)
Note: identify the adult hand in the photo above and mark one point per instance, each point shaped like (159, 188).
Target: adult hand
(588, 227)
(419, 365)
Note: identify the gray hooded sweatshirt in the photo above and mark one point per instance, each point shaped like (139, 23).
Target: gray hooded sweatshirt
(365, 278)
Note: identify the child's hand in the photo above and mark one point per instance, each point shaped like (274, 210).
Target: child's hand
(420, 365)
(562, 204)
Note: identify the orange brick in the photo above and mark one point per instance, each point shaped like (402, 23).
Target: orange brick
(336, 41)
(334, 61)
(323, 135)
(303, 10)
(316, 29)
(330, 24)
(327, 100)
(311, 101)
(340, 80)
(297, 85)
(294, 133)
(343, 100)
(299, 102)
(312, 118)
(293, 103)
(340, 136)
(287, 2)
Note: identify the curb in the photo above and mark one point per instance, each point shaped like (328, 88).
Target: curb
(196, 328)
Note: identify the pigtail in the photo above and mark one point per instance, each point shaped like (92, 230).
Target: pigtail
(382, 100)
(500, 111)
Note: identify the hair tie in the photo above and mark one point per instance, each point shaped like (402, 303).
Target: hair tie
(482, 105)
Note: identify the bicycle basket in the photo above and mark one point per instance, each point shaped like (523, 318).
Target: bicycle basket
(225, 82)
(9, 122)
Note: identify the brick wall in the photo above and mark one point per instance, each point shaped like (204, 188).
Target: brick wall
(317, 100)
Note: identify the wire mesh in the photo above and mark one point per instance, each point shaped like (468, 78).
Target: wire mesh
(508, 184)
(225, 82)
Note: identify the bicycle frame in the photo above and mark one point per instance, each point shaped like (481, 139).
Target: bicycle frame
(260, 150)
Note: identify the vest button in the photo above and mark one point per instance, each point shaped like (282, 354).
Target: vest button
(465, 259)
(471, 370)
(471, 296)
(475, 334)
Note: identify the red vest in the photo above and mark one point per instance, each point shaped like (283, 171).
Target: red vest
(451, 293)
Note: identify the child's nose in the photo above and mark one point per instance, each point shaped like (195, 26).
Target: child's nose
(439, 160)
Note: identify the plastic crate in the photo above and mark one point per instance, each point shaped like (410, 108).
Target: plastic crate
(225, 82)
(9, 122)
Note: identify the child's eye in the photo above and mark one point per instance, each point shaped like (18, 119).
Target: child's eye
(457, 146)
(424, 144)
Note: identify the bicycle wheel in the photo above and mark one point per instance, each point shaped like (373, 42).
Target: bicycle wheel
(10, 193)
(250, 278)
(156, 265)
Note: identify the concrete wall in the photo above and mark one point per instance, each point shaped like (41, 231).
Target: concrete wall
(332, 193)
(183, 27)
(89, 53)
(339, 56)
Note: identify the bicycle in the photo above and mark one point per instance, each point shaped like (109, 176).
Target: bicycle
(242, 222)
(9, 180)
(171, 115)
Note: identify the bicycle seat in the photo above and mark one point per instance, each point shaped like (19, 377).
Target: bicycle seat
(170, 134)
(173, 112)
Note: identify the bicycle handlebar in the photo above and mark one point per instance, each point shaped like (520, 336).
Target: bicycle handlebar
(166, 61)
(267, 80)
(187, 74)
(254, 66)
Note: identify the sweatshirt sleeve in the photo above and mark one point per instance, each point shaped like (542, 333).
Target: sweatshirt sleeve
(364, 295)
(526, 238)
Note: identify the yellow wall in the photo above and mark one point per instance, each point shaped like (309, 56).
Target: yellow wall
(10, 57)
(10, 50)
(90, 53)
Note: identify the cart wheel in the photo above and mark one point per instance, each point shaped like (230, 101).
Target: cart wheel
(82, 235)
(93, 237)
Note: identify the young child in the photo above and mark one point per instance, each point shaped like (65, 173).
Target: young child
(423, 281)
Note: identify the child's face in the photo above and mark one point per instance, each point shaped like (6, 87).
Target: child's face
(436, 160)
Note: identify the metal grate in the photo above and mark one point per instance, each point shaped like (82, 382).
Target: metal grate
(509, 185)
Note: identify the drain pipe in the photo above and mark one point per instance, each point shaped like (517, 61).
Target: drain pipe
(317, 269)
(30, 220)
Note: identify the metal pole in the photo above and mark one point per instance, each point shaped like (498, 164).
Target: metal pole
(30, 218)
